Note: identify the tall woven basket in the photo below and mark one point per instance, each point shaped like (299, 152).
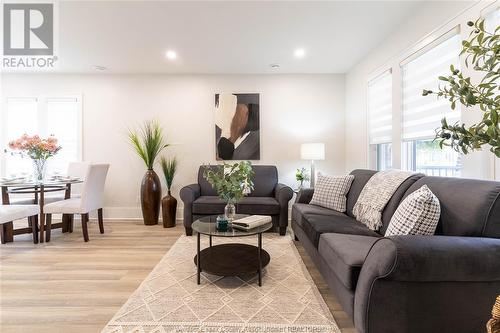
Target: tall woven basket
(493, 325)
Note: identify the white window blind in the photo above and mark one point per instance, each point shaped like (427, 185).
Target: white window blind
(423, 114)
(380, 108)
(492, 20)
(60, 117)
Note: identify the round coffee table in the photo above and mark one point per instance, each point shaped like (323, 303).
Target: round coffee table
(233, 258)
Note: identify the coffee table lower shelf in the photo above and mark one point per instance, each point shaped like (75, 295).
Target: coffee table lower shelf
(232, 259)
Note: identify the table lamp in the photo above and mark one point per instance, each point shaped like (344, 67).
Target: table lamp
(312, 152)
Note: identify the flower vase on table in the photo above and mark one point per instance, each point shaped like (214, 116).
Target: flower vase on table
(38, 149)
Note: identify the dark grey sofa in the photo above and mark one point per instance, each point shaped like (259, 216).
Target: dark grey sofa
(268, 198)
(442, 283)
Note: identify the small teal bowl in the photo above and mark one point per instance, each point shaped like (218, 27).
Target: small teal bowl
(222, 224)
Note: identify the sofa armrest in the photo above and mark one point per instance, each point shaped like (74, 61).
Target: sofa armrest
(190, 193)
(440, 274)
(283, 193)
(434, 258)
(305, 195)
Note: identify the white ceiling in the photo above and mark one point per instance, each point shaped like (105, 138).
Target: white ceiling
(223, 37)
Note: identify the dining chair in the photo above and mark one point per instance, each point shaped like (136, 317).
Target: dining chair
(10, 213)
(91, 199)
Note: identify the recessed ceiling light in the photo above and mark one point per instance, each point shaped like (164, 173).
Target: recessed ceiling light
(275, 66)
(171, 55)
(299, 53)
(99, 68)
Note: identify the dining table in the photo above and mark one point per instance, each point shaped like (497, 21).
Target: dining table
(39, 188)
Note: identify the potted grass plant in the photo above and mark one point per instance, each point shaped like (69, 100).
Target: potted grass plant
(168, 203)
(148, 141)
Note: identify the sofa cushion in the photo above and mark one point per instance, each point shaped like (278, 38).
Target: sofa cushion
(265, 180)
(299, 210)
(418, 214)
(258, 205)
(208, 205)
(396, 199)
(211, 205)
(315, 225)
(467, 205)
(361, 177)
(330, 191)
(345, 255)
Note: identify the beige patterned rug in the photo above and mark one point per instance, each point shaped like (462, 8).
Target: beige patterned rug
(170, 300)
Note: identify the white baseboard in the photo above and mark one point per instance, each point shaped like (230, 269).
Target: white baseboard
(135, 214)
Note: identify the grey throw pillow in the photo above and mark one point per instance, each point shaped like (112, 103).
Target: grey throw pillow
(330, 191)
(417, 214)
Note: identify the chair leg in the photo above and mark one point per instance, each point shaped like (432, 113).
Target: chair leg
(189, 231)
(34, 227)
(70, 222)
(7, 232)
(65, 223)
(99, 218)
(2, 234)
(48, 227)
(85, 219)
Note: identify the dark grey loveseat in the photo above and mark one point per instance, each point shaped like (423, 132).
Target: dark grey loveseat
(268, 198)
(445, 283)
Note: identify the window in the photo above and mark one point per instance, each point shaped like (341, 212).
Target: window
(422, 115)
(492, 20)
(60, 117)
(380, 120)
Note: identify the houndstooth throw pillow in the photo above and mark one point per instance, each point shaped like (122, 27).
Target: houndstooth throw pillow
(330, 191)
(418, 214)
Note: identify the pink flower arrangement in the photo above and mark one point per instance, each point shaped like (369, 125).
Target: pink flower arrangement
(35, 147)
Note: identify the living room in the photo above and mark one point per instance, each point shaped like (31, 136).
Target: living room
(140, 142)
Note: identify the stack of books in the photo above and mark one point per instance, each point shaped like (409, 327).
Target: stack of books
(250, 222)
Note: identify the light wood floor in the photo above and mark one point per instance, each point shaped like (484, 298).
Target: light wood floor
(71, 286)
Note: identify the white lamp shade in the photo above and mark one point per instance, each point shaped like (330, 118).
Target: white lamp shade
(312, 151)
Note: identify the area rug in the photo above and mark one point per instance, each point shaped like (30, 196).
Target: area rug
(170, 300)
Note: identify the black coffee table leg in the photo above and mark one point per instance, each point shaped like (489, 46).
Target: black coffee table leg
(260, 261)
(198, 260)
(210, 240)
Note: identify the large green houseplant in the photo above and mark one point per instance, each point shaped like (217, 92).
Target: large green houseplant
(231, 182)
(482, 53)
(148, 141)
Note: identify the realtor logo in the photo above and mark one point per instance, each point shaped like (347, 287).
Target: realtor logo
(29, 32)
(28, 29)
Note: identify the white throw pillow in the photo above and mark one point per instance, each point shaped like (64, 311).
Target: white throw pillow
(418, 214)
(330, 191)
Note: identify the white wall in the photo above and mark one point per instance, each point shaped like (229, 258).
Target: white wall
(294, 109)
(429, 22)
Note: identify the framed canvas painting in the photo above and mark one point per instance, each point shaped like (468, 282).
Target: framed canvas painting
(237, 127)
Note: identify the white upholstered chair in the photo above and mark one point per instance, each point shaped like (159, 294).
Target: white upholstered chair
(10, 213)
(91, 199)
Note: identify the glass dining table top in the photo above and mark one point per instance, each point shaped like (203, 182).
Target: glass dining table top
(30, 182)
